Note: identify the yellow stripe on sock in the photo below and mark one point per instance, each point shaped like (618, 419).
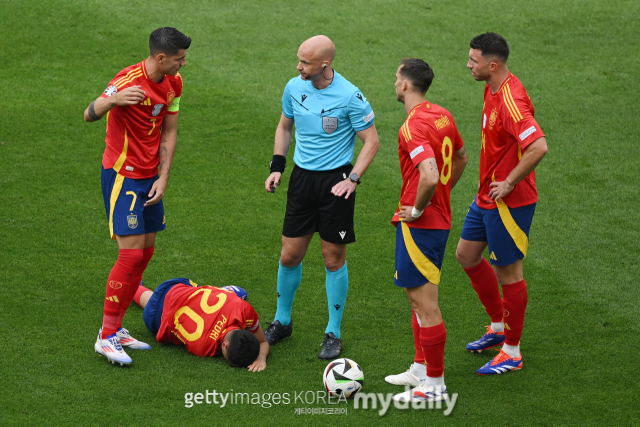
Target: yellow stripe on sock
(422, 263)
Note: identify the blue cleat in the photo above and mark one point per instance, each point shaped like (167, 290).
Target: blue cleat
(500, 364)
(489, 340)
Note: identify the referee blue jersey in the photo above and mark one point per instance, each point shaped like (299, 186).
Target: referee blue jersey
(326, 121)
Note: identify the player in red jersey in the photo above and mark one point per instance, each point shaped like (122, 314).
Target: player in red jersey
(207, 320)
(141, 104)
(432, 160)
(500, 216)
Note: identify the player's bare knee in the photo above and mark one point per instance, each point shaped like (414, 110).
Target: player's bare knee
(333, 263)
(289, 260)
(468, 260)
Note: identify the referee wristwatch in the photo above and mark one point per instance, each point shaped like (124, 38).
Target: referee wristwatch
(354, 178)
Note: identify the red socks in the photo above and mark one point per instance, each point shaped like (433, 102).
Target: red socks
(419, 358)
(515, 304)
(432, 340)
(118, 288)
(141, 290)
(136, 277)
(485, 283)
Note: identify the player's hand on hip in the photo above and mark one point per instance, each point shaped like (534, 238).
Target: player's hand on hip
(130, 96)
(157, 192)
(258, 365)
(406, 213)
(499, 189)
(344, 187)
(272, 181)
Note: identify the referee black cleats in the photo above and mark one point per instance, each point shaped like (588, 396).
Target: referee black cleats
(331, 347)
(277, 332)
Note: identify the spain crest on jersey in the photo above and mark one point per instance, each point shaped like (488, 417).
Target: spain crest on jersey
(132, 220)
(493, 117)
(170, 97)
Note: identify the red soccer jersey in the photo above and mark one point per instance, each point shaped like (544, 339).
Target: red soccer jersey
(133, 132)
(508, 127)
(428, 131)
(200, 317)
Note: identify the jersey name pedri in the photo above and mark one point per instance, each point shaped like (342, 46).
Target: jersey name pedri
(428, 131)
(133, 132)
(200, 317)
(508, 127)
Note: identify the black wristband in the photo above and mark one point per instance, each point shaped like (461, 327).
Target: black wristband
(278, 163)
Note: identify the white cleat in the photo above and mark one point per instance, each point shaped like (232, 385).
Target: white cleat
(422, 393)
(112, 350)
(128, 341)
(405, 378)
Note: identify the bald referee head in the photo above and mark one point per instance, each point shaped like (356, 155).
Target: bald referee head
(315, 56)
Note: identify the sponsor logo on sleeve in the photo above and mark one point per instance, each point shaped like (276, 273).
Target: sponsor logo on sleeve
(417, 151)
(111, 90)
(527, 132)
(368, 118)
(484, 121)
(359, 96)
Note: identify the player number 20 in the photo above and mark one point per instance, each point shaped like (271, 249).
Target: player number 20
(197, 319)
(447, 154)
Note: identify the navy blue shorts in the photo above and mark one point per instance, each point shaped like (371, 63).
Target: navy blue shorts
(124, 200)
(419, 255)
(152, 315)
(505, 230)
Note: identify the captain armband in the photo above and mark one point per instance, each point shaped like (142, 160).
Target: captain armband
(92, 112)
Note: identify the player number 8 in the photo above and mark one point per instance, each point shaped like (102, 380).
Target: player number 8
(446, 160)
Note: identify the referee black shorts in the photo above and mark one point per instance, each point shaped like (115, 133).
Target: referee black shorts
(312, 208)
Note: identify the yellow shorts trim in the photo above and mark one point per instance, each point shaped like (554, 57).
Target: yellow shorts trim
(115, 193)
(422, 263)
(518, 236)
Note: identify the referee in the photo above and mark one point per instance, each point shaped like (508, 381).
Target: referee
(328, 112)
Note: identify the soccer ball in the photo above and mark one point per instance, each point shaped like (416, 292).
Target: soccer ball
(343, 377)
(238, 291)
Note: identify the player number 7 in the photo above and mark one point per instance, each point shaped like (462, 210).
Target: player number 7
(153, 125)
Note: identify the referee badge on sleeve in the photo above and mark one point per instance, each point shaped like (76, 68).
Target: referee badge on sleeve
(329, 124)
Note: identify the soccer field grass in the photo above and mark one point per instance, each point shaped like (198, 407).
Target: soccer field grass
(580, 346)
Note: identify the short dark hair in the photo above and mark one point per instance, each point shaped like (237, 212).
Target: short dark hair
(418, 73)
(491, 44)
(168, 40)
(243, 349)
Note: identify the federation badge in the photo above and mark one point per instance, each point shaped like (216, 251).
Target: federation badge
(170, 97)
(132, 220)
(111, 90)
(156, 109)
(492, 118)
(329, 124)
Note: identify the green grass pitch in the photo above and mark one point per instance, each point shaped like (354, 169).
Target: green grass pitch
(579, 63)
